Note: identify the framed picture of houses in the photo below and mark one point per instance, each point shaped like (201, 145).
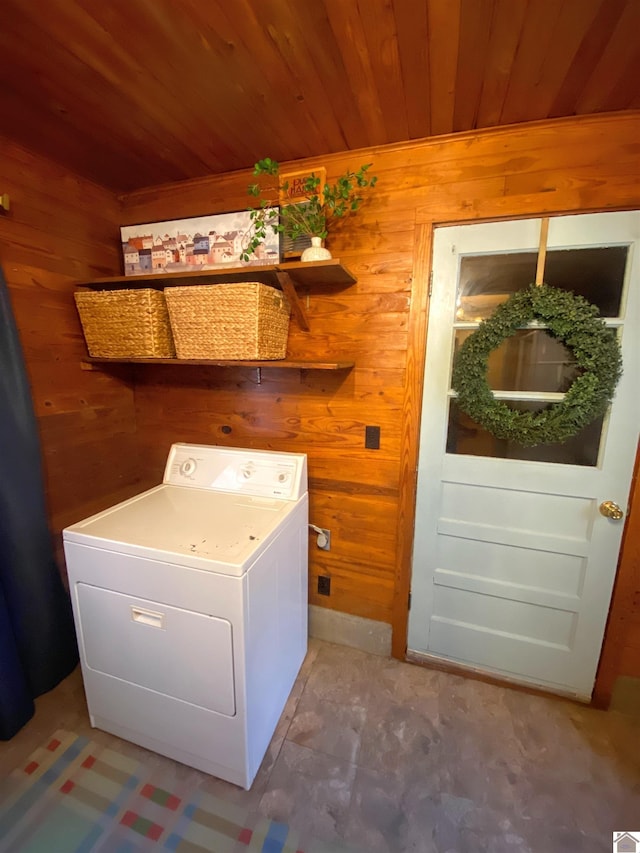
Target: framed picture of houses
(203, 242)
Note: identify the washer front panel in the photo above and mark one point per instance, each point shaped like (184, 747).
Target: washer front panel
(158, 647)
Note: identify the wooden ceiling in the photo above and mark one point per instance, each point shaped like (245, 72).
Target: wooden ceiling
(132, 93)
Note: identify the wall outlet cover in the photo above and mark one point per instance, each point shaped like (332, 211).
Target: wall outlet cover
(372, 437)
(324, 585)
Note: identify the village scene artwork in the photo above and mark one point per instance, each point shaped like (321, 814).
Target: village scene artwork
(204, 242)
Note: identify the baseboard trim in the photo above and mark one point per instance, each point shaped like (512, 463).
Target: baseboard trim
(467, 671)
(368, 635)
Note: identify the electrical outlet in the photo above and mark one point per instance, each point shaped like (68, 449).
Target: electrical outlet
(324, 585)
(324, 539)
(372, 437)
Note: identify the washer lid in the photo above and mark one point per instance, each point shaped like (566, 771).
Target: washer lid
(193, 527)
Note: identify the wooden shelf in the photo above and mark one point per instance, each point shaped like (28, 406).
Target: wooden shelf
(285, 363)
(287, 276)
(308, 273)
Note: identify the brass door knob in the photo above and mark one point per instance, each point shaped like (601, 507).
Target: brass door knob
(611, 510)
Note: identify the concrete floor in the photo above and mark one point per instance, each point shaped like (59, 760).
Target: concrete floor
(388, 756)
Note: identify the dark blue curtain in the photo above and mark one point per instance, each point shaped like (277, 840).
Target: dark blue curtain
(37, 640)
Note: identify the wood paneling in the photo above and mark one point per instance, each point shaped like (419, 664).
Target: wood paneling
(621, 652)
(61, 227)
(410, 437)
(138, 93)
(366, 497)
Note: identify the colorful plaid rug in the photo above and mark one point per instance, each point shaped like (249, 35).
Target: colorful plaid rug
(74, 796)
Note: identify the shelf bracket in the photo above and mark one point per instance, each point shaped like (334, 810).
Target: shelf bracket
(288, 288)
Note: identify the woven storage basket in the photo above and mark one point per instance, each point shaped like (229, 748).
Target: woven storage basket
(125, 323)
(248, 320)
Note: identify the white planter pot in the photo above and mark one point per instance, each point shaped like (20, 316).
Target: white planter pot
(316, 251)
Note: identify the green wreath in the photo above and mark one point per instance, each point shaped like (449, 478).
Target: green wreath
(571, 320)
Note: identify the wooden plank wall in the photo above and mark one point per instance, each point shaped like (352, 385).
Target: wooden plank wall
(366, 496)
(60, 228)
(354, 491)
(621, 651)
(625, 622)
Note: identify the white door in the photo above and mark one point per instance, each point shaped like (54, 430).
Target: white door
(513, 564)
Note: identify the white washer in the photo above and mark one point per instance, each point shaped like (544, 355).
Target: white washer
(190, 603)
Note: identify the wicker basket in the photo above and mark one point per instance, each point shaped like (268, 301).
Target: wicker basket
(125, 323)
(248, 320)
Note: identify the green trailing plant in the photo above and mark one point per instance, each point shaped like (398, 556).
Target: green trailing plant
(571, 320)
(312, 213)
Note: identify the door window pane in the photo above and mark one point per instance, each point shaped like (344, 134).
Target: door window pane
(530, 360)
(487, 280)
(469, 438)
(597, 274)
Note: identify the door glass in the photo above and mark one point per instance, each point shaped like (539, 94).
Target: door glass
(487, 280)
(530, 360)
(469, 438)
(597, 274)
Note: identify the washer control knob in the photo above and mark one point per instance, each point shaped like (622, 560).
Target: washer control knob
(188, 467)
(282, 478)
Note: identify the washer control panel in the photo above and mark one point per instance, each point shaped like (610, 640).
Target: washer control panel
(188, 467)
(259, 473)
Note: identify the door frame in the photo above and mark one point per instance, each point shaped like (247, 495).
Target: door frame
(409, 454)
